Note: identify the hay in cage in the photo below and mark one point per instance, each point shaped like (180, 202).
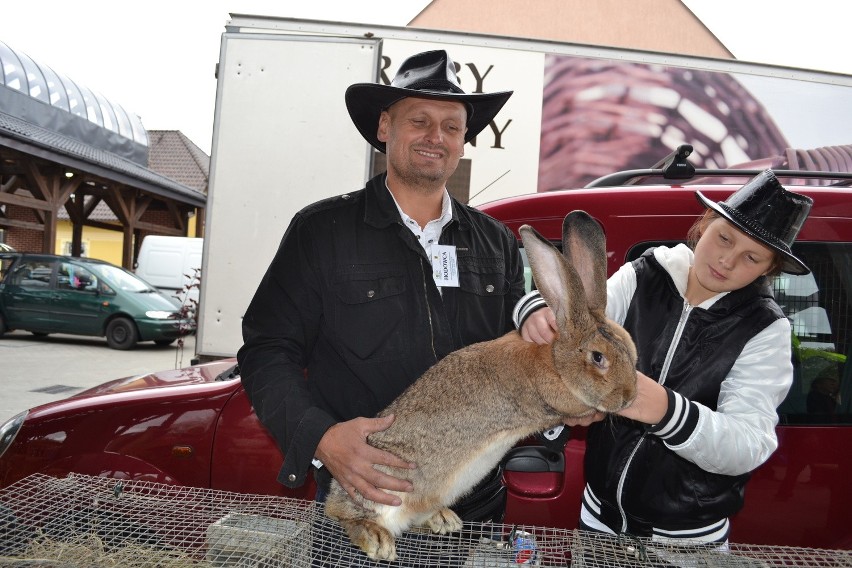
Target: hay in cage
(81, 521)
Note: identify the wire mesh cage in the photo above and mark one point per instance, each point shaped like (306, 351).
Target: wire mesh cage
(82, 521)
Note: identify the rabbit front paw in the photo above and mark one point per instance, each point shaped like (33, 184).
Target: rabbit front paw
(444, 521)
(375, 540)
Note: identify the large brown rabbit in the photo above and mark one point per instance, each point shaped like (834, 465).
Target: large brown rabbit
(461, 417)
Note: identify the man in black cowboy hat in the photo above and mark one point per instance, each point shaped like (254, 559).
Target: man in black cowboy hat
(355, 299)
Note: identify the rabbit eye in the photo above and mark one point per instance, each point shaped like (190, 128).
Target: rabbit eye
(599, 360)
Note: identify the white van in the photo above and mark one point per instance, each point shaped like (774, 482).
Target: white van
(171, 264)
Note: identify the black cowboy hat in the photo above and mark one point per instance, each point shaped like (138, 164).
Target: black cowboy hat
(767, 212)
(431, 75)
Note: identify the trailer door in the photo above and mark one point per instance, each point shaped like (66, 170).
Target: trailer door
(282, 139)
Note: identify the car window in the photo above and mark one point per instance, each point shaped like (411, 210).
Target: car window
(74, 277)
(5, 264)
(122, 279)
(819, 311)
(31, 274)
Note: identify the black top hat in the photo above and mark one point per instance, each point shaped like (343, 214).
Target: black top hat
(432, 75)
(765, 211)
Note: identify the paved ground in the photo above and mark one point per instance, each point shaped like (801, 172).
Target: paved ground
(37, 370)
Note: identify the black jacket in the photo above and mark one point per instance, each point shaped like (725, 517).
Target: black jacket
(348, 314)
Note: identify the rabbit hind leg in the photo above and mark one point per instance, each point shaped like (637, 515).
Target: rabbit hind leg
(375, 540)
(444, 521)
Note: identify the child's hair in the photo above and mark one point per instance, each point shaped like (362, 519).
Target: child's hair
(709, 216)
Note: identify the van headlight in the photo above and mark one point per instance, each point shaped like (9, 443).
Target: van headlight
(10, 429)
(160, 315)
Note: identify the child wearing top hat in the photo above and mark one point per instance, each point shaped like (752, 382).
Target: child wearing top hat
(714, 364)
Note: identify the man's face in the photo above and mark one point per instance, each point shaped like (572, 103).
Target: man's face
(424, 138)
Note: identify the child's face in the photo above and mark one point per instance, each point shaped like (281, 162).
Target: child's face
(726, 259)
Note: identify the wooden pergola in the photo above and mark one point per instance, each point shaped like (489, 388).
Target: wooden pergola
(41, 173)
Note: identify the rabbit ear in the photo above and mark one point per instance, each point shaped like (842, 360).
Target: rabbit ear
(584, 245)
(556, 280)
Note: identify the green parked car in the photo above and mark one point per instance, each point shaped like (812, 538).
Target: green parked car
(44, 293)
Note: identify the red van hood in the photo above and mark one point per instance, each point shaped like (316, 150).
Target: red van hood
(199, 374)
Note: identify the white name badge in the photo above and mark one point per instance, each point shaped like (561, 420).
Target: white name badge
(445, 269)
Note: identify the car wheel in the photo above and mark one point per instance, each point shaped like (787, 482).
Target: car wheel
(121, 334)
(3, 328)
(164, 342)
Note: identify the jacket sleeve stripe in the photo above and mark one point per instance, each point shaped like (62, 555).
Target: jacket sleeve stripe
(525, 306)
(679, 422)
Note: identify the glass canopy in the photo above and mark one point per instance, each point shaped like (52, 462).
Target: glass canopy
(20, 73)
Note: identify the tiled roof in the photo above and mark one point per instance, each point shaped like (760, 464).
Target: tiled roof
(175, 156)
(101, 212)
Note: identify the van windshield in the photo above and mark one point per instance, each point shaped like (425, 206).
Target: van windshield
(122, 279)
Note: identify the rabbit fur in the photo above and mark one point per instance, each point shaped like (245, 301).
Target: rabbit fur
(460, 418)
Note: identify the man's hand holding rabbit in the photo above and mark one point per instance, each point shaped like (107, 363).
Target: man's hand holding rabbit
(344, 450)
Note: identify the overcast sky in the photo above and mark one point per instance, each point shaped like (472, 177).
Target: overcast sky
(157, 58)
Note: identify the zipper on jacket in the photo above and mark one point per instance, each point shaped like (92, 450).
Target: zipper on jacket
(681, 324)
(684, 314)
(428, 308)
(621, 479)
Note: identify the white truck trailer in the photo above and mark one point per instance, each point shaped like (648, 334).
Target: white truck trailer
(282, 137)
